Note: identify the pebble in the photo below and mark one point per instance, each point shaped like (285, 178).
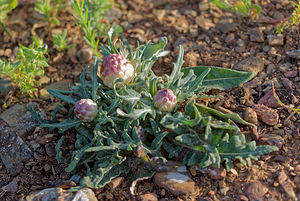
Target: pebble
(12, 187)
(148, 197)
(50, 194)
(216, 173)
(250, 116)
(272, 139)
(286, 184)
(116, 182)
(275, 40)
(226, 27)
(291, 74)
(285, 67)
(270, 69)
(85, 55)
(20, 119)
(178, 183)
(5, 86)
(204, 23)
(295, 54)
(269, 100)
(190, 59)
(287, 83)
(256, 190)
(257, 35)
(44, 80)
(13, 150)
(252, 64)
(267, 115)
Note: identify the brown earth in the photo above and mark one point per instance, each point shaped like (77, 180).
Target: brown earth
(211, 37)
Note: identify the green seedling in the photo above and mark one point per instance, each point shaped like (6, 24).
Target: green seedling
(91, 19)
(242, 7)
(292, 20)
(129, 120)
(60, 42)
(5, 7)
(50, 10)
(28, 64)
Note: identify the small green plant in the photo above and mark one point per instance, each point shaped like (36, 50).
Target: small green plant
(127, 118)
(5, 7)
(90, 17)
(60, 42)
(28, 64)
(49, 10)
(242, 7)
(292, 20)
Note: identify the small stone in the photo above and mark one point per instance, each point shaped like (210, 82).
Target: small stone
(50, 150)
(286, 184)
(272, 139)
(257, 35)
(116, 182)
(269, 100)
(148, 197)
(250, 116)
(5, 86)
(287, 83)
(217, 173)
(12, 187)
(191, 59)
(20, 118)
(266, 114)
(85, 194)
(8, 53)
(85, 55)
(175, 182)
(295, 54)
(274, 40)
(291, 74)
(159, 13)
(285, 67)
(256, 191)
(252, 64)
(270, 69)
(229, 38)
(44, 80)
(13, 150)
(50, 194)
(278, 15)
(226, 27)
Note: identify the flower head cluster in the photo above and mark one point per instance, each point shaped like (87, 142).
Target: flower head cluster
(165, 100)
(86, 110)
(115, 67)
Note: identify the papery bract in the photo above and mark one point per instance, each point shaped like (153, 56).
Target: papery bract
(86, 110)
(116, 67)
(165, 100)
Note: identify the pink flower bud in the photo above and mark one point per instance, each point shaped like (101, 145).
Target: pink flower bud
(86, 110)
(115, 67)
(165, 100)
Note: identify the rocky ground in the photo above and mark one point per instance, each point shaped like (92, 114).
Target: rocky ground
(211, 37)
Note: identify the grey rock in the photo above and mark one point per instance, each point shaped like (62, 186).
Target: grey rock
(285, 67)
(5, 86)
(12, 187)
(270, 69)
(20, 119)
(126, 25)
(287, 83)
(295, 54)
(278, 15)
(256, 191)
(252, 64)
(13, 150)
(175, 180)
(226, 27)
(85, 55)
(274, 40)
(52, 194)
(257, 35)
(114, 14)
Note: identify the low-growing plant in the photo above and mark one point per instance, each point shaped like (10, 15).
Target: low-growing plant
(292, 20)
(60, 41)
(5, 7)
(50, 9)
(90, 17)
(242, 7)
(28, 64)
(127, 117)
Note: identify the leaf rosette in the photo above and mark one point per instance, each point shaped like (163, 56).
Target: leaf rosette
(131, 129)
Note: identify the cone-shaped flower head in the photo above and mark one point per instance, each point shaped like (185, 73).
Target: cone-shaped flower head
(86, 110)
(165, 100)
(115, 67)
